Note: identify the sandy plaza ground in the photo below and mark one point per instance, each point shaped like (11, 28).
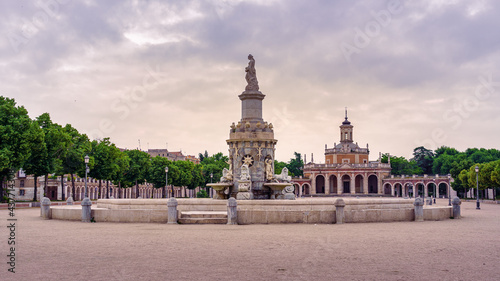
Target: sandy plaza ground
(464, 249)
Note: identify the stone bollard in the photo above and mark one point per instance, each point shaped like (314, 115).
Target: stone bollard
(69, 201)
(419, 209)
(172, 210)
(86, 210)
(456, 207)
(232, 212)
(340, 204)
(45, 212)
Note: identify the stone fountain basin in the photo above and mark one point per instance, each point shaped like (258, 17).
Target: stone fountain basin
(220, 186)
(277, 186)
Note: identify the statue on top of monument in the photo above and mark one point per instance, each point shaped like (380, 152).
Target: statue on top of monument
(251, 75)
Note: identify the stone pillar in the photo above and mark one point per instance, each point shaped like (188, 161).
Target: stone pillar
(340, 185)
(426, 191)
(70, 201)
(45, 211)
(300, 190)
(232, 212)
(456, 207)
(339, 205)
(353, 184)
(172, 210)
(327, 184)
(379, 184)
(86, 210)
(419, 209)
(313, 184)
(365, 184)
(392, 190)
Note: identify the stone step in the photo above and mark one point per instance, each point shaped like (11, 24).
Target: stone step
(203, 220)
(203, 214)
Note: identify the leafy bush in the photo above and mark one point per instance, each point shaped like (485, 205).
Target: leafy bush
(202, 194)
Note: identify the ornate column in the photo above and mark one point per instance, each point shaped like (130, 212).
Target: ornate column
(365, 184)
(353, 184)
(313, 184)
(327, 183)
(340, 185)
(379, 184)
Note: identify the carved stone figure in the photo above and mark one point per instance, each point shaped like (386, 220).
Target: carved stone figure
(245, 173)
(227, 176)
(269, 169)
(251, 75)
(283, 177)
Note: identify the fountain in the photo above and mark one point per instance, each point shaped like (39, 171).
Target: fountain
(251, 152)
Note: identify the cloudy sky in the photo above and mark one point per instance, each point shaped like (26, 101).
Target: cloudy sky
(168, 73)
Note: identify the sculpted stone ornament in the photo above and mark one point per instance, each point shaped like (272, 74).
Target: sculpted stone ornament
(227, 176)
(283, 177)
(288, 192)
(247, 160)
(244, 184)
(245, 173)
(269, 169)
(251, 75)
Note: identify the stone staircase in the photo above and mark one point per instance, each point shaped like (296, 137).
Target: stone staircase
(203, 217)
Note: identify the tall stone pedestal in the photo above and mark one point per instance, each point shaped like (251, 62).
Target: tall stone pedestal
(251, 141)
(244, 190)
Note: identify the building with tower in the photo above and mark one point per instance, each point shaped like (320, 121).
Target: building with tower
(347, 169)
(349, 172)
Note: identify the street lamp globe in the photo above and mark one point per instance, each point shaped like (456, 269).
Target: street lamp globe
(87, 158)
(166, 169)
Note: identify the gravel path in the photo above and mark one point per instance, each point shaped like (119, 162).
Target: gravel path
(464, 249)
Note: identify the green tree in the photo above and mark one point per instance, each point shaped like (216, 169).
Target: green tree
(57, 142)
(15, 135)
(37, 162)
(495, 178)
(156, 173)
(73, 158)
(296, 165)
(108, 162)
(120, 170)
(401, 166)
(278, 166)
(213, 165)
(424, 158)
(140, 162)
(197, 179)
(186, 173)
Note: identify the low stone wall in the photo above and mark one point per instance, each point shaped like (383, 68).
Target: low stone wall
(286, 211)
(437, 213)
(304, 210)
(378, 210)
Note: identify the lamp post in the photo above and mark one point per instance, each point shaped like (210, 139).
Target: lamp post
(166, 181)
(435, 187)
(449, 190)
(87, 158)
(477, 187)
(211, 178)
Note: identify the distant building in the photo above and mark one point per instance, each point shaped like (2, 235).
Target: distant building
(24, 188)
(348, 171)
(172, 155)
